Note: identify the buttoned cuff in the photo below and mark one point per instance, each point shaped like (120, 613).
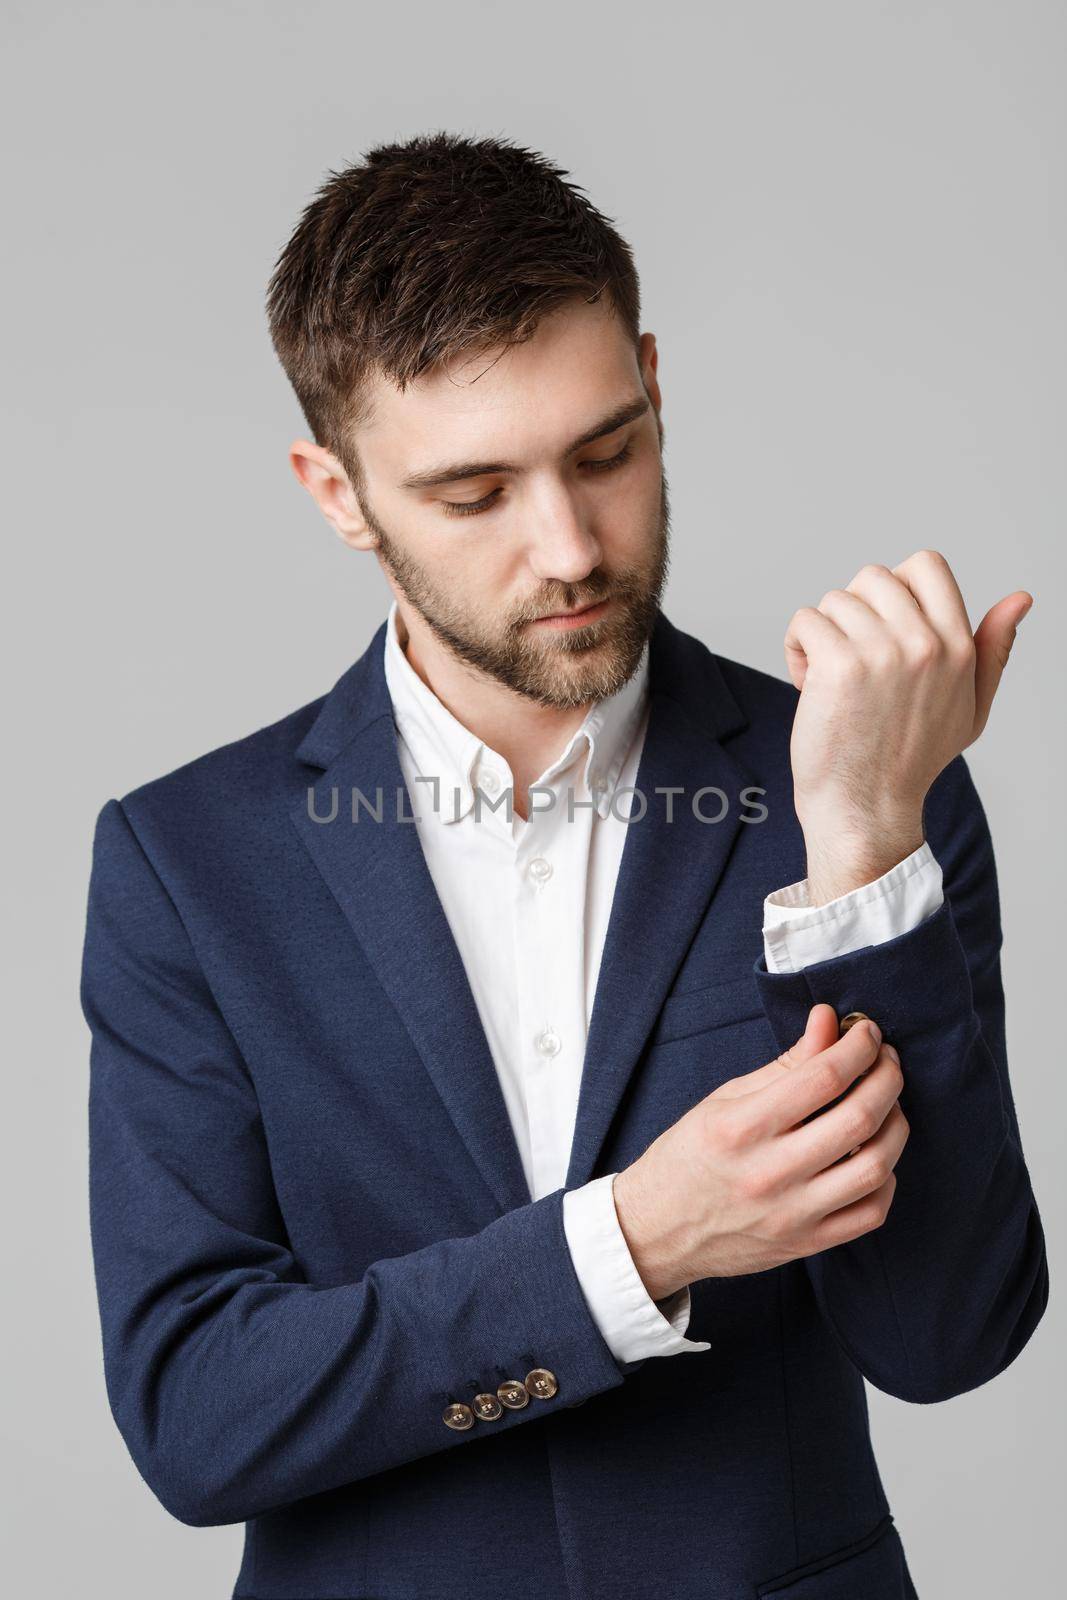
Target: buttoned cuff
(797, 934)
(633, 1325)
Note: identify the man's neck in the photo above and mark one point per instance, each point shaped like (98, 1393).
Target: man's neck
(529, 736)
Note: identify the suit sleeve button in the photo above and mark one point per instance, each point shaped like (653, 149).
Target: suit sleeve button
(458, 1416)
(541, 1383)
(514, 1394)
(487, 1407)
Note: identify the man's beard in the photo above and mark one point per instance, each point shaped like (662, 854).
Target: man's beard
(560, 667)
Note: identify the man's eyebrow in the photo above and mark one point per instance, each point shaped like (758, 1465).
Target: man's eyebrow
(454, 471)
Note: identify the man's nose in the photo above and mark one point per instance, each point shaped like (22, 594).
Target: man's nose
(562, 544)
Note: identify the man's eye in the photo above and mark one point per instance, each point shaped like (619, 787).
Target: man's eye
(472, 508)
(468, 508)
(612, 461)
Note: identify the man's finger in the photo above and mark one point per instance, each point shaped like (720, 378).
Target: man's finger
(809, 630)
(931, 580)
(802, 1093)
(888, 596)
(857, 620)
(820, 1032)
(993, 640)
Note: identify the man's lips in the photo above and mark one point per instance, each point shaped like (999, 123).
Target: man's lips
(575, 619)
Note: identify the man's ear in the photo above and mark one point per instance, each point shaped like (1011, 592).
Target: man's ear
(648, 361)
(327, 482)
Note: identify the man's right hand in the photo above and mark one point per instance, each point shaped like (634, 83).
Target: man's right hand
(744, 1182)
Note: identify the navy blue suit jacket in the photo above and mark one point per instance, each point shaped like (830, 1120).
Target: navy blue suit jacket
(312, 1233)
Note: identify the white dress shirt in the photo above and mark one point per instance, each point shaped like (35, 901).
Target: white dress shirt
(528, 905)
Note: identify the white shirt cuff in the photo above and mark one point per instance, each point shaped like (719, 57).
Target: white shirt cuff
(797, 934)
(633, 1324)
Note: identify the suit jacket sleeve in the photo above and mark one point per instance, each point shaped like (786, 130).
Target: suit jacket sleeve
(237, 1385)
(944, 1295)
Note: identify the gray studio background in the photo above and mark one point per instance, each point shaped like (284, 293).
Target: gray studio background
(849, 223)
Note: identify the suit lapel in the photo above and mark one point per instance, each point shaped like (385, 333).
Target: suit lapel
(378, 875)
(667, 877)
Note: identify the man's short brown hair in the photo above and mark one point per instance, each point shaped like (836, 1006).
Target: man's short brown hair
(433, 248)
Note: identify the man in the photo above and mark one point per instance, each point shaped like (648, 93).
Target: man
(553, 997)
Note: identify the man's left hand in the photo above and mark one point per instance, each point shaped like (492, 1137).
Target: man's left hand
(893, 686)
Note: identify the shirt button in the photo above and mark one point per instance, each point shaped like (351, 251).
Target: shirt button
(488, 781)
(596, 781)
(548, 1042)
(540, 869)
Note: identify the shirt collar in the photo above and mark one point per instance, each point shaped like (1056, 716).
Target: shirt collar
(441, 746)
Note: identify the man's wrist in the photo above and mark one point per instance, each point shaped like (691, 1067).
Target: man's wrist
(846, 859)
(659, 1280)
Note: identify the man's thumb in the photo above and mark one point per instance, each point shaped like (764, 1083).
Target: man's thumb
(819, 1034)
(993, 639)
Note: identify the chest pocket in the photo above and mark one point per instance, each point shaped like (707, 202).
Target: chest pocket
(714, 1005)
